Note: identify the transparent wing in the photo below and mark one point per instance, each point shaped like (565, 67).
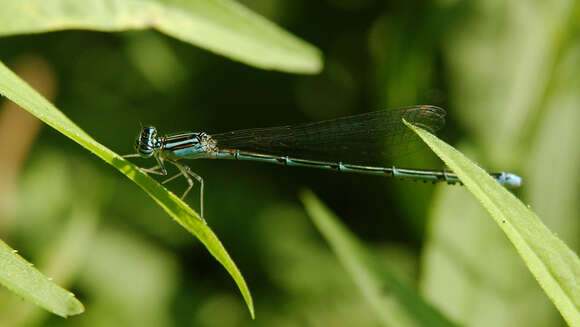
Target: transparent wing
(374, 137)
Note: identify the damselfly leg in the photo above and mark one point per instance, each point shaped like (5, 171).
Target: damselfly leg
(184, 171)
(187, 173)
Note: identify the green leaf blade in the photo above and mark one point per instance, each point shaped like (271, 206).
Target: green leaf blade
(555, 266)
(224, 27)
(374, 279)
(15, 89)
(23, 279)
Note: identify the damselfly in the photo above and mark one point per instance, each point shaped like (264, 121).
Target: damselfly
(354, 144)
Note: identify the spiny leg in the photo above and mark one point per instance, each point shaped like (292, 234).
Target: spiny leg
(183, 173)
(173, 177)
(201, 184)
(153, 170)
(186, 172)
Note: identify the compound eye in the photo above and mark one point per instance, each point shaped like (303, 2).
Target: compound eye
(149, 132)
(145, 151)
(146, 142)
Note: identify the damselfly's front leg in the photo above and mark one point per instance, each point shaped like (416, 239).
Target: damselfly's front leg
(158, 169)
(186, 172)
(154, 170)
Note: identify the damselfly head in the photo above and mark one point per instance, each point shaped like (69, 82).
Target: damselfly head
(147, 143)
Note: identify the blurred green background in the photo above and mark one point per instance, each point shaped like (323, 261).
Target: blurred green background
(507, 73)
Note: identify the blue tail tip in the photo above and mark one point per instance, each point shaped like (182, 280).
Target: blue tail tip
(512, 180)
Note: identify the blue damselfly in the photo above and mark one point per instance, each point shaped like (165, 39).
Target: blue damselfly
(354, 144)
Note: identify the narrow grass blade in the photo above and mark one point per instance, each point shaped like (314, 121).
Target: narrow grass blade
(555, 266)
(14, 88)
(221, 26)
(22, 278)
(374, 279)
